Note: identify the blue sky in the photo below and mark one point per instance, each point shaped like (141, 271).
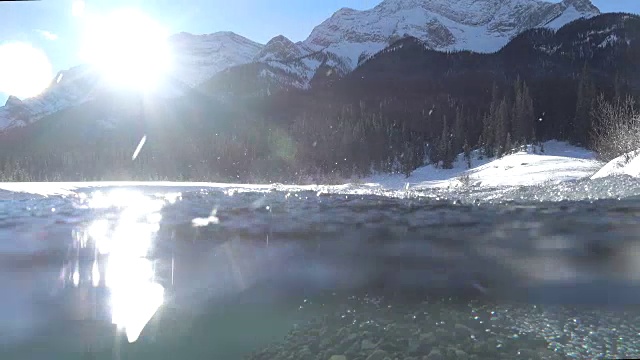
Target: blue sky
(49, 24)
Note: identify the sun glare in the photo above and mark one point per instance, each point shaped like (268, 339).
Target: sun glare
(123, 261)
(128, 48)
(77, 7)
(24, 70)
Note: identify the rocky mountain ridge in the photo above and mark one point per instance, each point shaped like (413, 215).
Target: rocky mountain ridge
(333, 49)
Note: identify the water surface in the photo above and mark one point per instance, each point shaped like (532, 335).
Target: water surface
(277, 272)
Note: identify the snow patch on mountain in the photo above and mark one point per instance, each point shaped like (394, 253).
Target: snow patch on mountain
(570, 14)
(198, 57)
(282, 75)
(69, 88)
(573, 9)
(299, 72)
(350, 37)
(279, 48)
(476, 25)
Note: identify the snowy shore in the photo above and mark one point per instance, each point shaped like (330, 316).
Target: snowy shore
(554, 162)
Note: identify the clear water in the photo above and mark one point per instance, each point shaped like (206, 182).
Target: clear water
(151, 272)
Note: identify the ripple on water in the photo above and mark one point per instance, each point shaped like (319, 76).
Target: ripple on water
(283, 251)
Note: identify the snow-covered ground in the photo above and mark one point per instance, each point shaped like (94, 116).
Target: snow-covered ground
(627, 164)
(559, 162)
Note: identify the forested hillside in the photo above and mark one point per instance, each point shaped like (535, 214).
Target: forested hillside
(400, 109)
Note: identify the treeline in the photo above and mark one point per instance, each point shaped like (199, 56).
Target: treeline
(326, 137)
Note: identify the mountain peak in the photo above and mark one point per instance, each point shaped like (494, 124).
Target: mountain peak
(199, 57)
(279, 39)
(280, 48)
(475, 25)
(216, 36)
(345, 11)
(582, 5)
(13, 101)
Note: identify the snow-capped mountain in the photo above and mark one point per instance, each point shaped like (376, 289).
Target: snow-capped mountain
(349, 37)
(335, 47)
(70, 87)
(476, 25)
(279, 48)
(199, 57)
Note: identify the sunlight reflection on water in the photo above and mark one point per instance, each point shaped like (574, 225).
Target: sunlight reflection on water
(242, 271)
(118, 255)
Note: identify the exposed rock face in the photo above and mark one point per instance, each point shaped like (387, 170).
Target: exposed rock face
(476, 25)
(13, 101)
(350, 37)
(279, 48)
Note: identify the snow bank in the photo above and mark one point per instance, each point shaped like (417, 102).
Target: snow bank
(627, 164)
(559, 162)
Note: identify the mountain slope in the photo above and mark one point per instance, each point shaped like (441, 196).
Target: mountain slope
(475, 25)
(199, 57)
(196, 59)
(332, 50)
(349, 37)
(69, 88)
(279, 48)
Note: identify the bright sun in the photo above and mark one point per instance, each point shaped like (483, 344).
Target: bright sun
(24, 70)
(128, 48)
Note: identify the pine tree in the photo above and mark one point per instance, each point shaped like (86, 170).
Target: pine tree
(582, 122)
(522, 113)
(502, 120)
(489, 123)
(481, 153)
(458, 130)
(488, 136)
(527, 117)
(617, 86)
(407, 161)
(518, 111)
(467, 153)
(446, 150)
